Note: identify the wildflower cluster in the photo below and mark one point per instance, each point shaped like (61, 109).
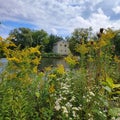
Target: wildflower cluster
(90, 92)
(71, 60)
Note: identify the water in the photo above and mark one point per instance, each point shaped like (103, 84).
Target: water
(45, 62)
(3, 63)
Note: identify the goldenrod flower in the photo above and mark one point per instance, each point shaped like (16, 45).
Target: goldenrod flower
(51, 89)
(12, 76)
(11, 45)
(41, 74)
(71, 60)
(35, 61)
(102, 43)
(35, 69)
(1, 38)
(60, 69)
(90, 59)
(14, 59)
(48, 68)
(52, 76)
(116, 59)
(34, 50)
(91, 43)
(82, 49)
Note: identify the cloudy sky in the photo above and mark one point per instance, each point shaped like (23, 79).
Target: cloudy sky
(59, 17)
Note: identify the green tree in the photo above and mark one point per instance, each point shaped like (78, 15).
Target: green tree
(52, 40)
(116, 42)
(79, 36)
(40, 37)
(22, 37)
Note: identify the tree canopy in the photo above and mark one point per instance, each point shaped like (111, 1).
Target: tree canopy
(25, 37)
(22, 37)
(116, 42)
(79, 36)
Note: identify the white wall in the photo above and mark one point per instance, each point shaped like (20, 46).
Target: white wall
(61, 47)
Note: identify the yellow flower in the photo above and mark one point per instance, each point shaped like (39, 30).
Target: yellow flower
(1, 38)
(90, 59)
(101, 53)
(41, 74)
(52, 89)
(102, 43)
(35, 69)
(60, 69)
(14, 59)
(34, 50)
(11, 45)
(52, 76)
(82, 49)
(12, 76)
(116, 59)
(71, 60)
(91, 43)
(35, 61)
(48, 68)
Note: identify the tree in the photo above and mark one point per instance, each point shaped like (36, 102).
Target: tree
(22, 37)
(116, 42)
(79, 36)
(40, 37)
(52, 40)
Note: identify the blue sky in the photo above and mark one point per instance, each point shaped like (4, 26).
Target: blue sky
(58, 17)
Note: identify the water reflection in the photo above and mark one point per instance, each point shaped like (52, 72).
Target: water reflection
(3, 63)
(45, 62)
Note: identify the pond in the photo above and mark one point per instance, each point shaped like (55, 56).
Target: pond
(3, 63)
(45, 62)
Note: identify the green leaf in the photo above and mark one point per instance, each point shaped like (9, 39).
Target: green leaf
(107, 88)
(116, 85)
(114, 112)
(37, 94)
(110, 82)
(116, 92)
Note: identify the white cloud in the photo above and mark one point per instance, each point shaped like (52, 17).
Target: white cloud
(99, 19)
(53, 31)
(56, 16)
(116, 9)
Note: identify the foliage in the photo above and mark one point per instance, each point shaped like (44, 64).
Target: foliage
(4, 44)
(79, 36)
(1, 48)
(25, 37)
(22, 37)
(72, 61)
(89, 91)
(52, 40)
(116, 42)
(51, 55)
(41, 38)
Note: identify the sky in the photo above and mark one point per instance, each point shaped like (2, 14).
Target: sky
(59, 17)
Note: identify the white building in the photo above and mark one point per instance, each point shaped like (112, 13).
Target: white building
(61, 47)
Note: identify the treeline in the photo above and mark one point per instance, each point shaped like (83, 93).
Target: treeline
(25, 37)
(85, 35)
